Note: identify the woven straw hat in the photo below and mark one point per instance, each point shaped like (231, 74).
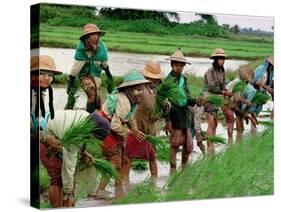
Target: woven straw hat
(270, 59)
(152, 70)
(133, 77)
(178, 56)
(218, 52)
(245, 73)
(43, 62)
(91, 28)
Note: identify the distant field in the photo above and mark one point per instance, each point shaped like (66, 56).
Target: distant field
(239, 47)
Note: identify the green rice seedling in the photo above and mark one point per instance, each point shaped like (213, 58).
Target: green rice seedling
(215, 100)
(169, 90)
(216, 139)
(79, 133)
(239, 87)
(160, 146)
(105, 168)
(260, 98)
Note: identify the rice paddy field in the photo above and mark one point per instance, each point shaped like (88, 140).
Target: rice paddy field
(237, 47)
(244, 169)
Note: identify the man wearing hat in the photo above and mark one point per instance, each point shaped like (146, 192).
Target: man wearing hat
(43, 69)
(263, 79)
(179, 120)
(214, 80)
(91, 58)
(146, 120)
(119, 108)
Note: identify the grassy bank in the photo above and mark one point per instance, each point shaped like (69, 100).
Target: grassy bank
(67, 37)
(245, 169)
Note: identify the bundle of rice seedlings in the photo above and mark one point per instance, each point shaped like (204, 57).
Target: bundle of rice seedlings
(260, 98)
(239, 87)
(105, 168)
(160, 146)
(94, 148)
(216, 139)
(79, 133)
(169, 90)
(215, 100)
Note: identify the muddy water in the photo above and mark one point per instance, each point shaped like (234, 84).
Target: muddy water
(120, 63)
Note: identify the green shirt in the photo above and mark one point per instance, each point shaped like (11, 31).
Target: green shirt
(93, 63)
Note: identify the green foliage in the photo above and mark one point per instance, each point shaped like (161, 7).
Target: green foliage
(105, 168)
(260, 98)
(215, 100)
(169, 90)
(216, 139)
(79, 133)
(239, 87)
(144, 192)
(244, 169)
(161, 147)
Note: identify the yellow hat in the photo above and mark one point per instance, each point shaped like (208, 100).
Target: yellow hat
(218, 52)
(91, 28)
(152, 70)
(44, 62)
(178, 56)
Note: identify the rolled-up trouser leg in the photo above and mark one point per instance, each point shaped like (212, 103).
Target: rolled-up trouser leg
(211, 130)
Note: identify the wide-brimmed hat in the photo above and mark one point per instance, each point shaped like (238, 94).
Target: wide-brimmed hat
(152, 70)
(218, 52)
(44, 63)
(133, 77)
(91, 28)
(270, 59)
(178, 56)
(245, 73)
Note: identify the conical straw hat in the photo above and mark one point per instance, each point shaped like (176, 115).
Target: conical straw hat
(133, 77)
(178, 56)
(44, 62)
(218, 52)
(153, 70)
(91, 28)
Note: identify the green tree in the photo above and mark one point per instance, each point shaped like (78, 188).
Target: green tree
(130, 14)
(209, 19)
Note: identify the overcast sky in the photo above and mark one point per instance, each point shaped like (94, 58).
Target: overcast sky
(256, 22)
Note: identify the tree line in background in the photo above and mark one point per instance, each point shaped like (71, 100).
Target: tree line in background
(131, 20)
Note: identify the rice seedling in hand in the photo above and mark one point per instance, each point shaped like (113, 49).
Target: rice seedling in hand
(79, 133)
(216, 139)
(260, 98)
(160, 146)
(239, 87)
(215, 100)
(105, 168)
(169, 90)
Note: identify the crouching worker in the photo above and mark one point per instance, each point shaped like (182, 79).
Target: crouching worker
(146, 120)
(67, 153)
(119, 108)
